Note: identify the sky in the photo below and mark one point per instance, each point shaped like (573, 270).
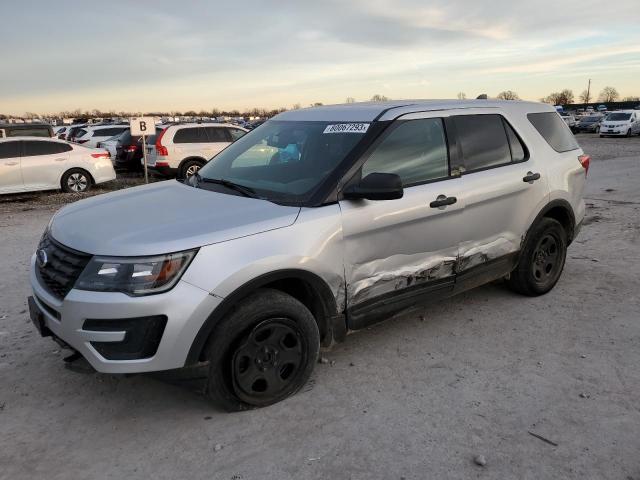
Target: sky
(198, 55)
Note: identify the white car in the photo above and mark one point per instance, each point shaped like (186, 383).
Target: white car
(570, 120)
(623, 122)
(29, 163)
(90, 135)
(180, 150)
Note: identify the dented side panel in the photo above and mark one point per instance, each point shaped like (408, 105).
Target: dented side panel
(394, 244)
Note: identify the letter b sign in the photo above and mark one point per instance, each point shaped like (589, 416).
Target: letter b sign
(142, 126)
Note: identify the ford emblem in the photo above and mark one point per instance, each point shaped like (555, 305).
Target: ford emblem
(41, 257)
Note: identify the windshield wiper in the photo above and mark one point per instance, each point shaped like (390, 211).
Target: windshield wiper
(246, 191)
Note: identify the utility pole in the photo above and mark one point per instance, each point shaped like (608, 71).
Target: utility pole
(588, 93)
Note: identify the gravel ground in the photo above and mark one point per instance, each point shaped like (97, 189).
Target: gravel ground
(420, 396)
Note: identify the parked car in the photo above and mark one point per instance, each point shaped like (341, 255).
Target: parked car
(25, 130)
(73, 131)
(129, 150)
(59, 132)
(30, 163)
(111, 145)
(91, 135)
(623, 122)
(590, 124)
(180, 150)
(602, 108)
(570, 120)
(257, 260)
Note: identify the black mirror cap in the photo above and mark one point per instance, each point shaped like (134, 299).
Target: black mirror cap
(376, 186)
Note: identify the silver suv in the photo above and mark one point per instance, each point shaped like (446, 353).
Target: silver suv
(317, 223)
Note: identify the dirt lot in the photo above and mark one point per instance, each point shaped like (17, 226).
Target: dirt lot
(415, 397)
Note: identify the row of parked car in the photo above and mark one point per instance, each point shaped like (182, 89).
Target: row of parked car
(618, 123)
(174, 150)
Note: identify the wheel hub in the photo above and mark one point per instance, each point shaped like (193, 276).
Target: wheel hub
(267, 361)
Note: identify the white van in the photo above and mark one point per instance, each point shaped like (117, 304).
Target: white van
(623, 122)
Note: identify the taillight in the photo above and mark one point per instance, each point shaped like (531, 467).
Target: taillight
(585, 160)
(100, 155)
(130, 148)
(161, 149)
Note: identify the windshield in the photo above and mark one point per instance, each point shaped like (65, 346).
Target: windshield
(285, 161)
(617, 117)
(591, 119)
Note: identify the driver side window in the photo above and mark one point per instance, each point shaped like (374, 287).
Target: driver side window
(416, 150)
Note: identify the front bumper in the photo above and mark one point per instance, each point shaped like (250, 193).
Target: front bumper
(185, 307)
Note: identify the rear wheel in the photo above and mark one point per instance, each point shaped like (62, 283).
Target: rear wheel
(542, 259)
(76, 180)
(263, 352)
(190, 167)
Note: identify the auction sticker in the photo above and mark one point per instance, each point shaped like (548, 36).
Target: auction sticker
(347, 128)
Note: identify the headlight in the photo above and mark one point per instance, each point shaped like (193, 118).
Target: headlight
(135, 275)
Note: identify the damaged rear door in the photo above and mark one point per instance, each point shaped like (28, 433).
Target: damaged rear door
(397, 252)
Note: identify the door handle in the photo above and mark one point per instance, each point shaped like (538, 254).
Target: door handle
(443, 201)
(59, 159)
(531, 177)
(11, 164)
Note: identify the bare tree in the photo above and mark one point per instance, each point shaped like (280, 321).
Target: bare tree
(462, 96)
(296, 106)
(559, 98)
(508, 95)
(608, 94)
(379, 98)
(585, 96)
(350, 100)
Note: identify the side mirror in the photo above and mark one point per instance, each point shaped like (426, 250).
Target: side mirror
(376, 186)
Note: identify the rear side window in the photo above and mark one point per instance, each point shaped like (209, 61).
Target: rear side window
(34, 148)
(554, 131)
(416, 150)
(9, 149)
(217, 134)
(518, 150)
(190, 135)
(108, 132)
(483, 141)
(28, 132)
(236, 133)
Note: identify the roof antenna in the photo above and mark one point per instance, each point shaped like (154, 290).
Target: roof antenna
(482, 96)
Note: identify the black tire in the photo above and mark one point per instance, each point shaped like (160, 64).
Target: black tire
(541, 260)
(628, 133)
(76, 180)
(190, 167)
(262, 352)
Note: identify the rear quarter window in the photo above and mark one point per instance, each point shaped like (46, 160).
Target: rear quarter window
(553, 129)
(191, 135)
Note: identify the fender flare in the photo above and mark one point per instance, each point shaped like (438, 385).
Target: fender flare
(566, 207)
(333, 321)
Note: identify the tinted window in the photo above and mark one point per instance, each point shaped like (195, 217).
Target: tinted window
(28, 132)
(108, 132)
(518, 152)
(80, 133)
(190, 135)
(217, 134)
(9, 149)
(33, 148)
(617, 117)
(416, 150)
(483, 140)
(236, 133)
(554, 131)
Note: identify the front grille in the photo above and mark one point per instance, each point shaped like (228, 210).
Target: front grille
(62, 268)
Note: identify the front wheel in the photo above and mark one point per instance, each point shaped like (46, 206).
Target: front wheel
(76, 180)
(541, 260)
(190, 167)
(263, 352)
